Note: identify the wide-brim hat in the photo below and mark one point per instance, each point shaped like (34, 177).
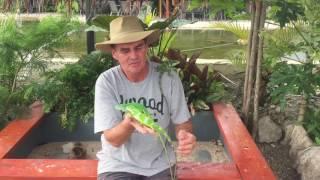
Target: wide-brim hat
(127, 29)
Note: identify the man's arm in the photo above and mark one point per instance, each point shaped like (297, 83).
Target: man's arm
(187, 126)
(119, 134)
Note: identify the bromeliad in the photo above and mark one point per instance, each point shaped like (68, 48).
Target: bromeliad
(141, 114)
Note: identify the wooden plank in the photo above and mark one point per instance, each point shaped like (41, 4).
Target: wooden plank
(243, 150)
(14, 132)
(43, 169)
(65, 169)
(207, 171)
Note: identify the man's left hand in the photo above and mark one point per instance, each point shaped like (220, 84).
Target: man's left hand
(186, 142)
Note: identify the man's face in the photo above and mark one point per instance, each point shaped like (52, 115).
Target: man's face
(132, 57)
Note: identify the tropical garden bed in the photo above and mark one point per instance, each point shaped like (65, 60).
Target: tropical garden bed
(298, 32)
(19, 137)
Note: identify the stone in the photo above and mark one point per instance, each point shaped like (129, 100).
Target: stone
(288, 132)
(202, 156)
(268, 131)
(299, 140)
(309, 163)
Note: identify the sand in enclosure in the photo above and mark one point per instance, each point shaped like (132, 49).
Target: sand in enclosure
(62, 150)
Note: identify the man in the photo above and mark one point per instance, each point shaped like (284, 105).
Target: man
(129, 149)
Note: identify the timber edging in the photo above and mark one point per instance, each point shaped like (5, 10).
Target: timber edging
(247, 161)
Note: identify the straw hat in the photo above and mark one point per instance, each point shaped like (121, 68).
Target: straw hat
(126, 29)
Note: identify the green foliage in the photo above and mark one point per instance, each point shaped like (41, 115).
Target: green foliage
(312, 123)
(102, 21)
(241, 32)
(238, 58)
(231, 8)
(281, 43)
(70, 91)
(201, 94)
(24, 51)
(62, 7)
(202, 86)
(293, 79)
(301, 36)
(167, 35)
(285, 11)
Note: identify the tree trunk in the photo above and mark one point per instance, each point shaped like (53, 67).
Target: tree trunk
(69, 5)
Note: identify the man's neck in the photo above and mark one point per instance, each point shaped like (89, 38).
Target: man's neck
(139, 76)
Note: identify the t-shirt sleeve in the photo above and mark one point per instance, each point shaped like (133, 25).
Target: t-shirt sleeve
(179, 109)
(105, 115)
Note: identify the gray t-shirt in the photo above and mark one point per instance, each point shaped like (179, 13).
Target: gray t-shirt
(143, 153)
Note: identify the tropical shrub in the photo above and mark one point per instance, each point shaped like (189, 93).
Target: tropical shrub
(24, 53)
(301, 79)
(70, 90)
(202, 86)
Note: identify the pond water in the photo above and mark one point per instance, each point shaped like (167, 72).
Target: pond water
(213, 44)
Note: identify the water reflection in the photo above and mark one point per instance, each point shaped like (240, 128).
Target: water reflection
(213, 44)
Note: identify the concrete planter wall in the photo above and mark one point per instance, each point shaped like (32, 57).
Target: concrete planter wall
(18, 138)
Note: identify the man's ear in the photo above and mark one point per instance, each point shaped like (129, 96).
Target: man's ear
(114, 54)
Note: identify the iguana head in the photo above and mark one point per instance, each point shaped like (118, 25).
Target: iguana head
(121, 107)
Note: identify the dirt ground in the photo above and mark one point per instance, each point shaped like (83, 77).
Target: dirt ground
(278, 158)
(203, 152)
(277, 155)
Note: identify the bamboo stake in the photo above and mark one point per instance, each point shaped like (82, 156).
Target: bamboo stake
(252, 62)
(258, 74)
(245, 86)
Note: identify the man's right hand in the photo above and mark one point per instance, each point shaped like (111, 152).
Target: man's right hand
(137, 125)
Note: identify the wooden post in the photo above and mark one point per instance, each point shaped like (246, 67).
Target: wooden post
(90, 13)
(167, 8)
(160, 8)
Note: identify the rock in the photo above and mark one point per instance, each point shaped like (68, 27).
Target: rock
(288, 132)
(75, 150)
(309, 163)
(299, 141)
(203, 156)
(268, 131)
